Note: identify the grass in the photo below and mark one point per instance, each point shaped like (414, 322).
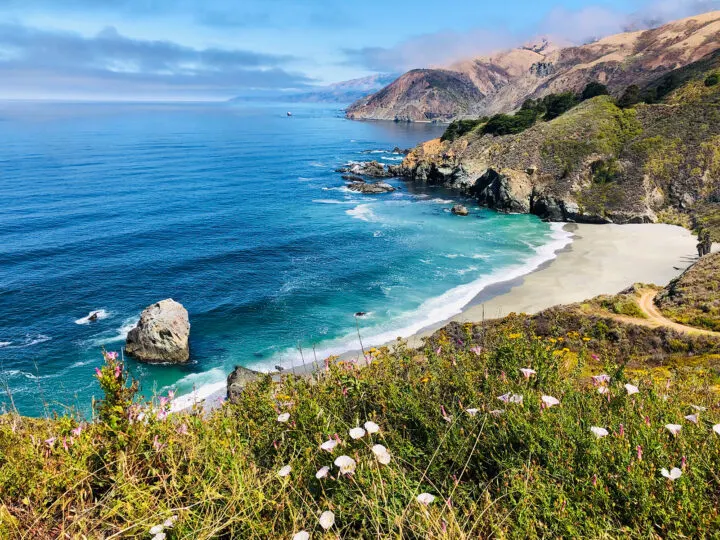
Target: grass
(528, 472)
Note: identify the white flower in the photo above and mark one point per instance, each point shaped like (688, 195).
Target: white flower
(673, 428)
(302, 535)
(371, 427)
(698, 408)
(550, 401)
(357, 433)
(602, 378)
(284, 471)
(497, 412)
(425, 498)
(346, 464)
(159, 536)
(472, 412)
(322, 473)
(674, 474)
(170, 522)
(631, 389)
(511, 398)
(527, 372)
(157, 529)
(328, 445)
(692, 418)
(327, 519)
(599, 432)
(381, 453)
(603, 389)
(284, 417)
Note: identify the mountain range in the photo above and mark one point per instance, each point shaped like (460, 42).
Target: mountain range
(503, 81)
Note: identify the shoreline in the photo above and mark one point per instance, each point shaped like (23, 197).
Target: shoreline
(598, 259)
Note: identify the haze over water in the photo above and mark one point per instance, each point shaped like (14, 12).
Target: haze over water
(236, 212)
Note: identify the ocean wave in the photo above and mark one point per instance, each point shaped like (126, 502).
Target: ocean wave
(119, 335)
(332, 201)
(19, 373)
(304, 179)
(342, 189)
(197, 387)
(101, 314)
(29, 341)
(391, 158)
(376, 152)
(363, 212)
(434, 310)
(317, 164)
(5, 344)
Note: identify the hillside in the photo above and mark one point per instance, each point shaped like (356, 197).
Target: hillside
(598, 162)
(502, 82)
(565, 424)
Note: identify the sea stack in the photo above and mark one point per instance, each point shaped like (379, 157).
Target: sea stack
(161, 335)
(459, 210)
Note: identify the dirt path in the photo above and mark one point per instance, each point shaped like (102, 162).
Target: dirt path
(655, 318)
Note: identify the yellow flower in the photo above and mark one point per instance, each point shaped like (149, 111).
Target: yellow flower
(425, 379)
(552, 340)
(514, 336)
(586, 339)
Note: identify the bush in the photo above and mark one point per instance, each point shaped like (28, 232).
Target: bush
(503, 124)
(712, 79)
(557, 104)
(630, 97)
(458, 128)
(594, 89)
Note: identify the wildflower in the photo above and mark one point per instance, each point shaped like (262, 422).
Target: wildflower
(603, 390)
(497, 412)
(692, 418)
(328, 445)
(601, 379)
(698, 408)
(599, 432)
(515, 335)
(549, 401)
(98, 373)
(445, 415)
(683, 462)
(438, 350)
(357, 433)
(381, 453)
(472, 412)
(371, 427)
(170, 522)
(51, 441)
(182, 429)
(159, 536)
(716, 428)
(425, 379)
(647, 420)
(639, 452)
(673, 474)
(157, 529)
(594, 480)
(673, 428)
(425, 498)
(118, 371)
(586, 339)
(77, 431)
(322, 472)
(284, 417)
(527, 372)
(302, 535)
(476, 350)
(631, 389)
(157, 445)
(346, 464)
(284, 471)
(621, 432)
(327, 519)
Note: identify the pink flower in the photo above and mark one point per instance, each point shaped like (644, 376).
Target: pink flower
(476, 350)
(445, 415)
(171, 394)
(594, 480)
(117, 371)
(683, 463)
(77, 431)
(157, 445)
(182, 429)
(647, 421)
(527, 372)
(622, 430)
(600, 379)
(639, 452)
(51, 441)
(65, 443)
(438, 350)
(112, 355)
(98, 373)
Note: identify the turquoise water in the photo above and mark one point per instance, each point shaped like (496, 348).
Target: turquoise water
(238, 214)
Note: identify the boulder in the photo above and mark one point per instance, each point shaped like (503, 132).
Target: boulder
(161, 335)
(460, 210)
(238, 380)
(371, 189)
(373, 169)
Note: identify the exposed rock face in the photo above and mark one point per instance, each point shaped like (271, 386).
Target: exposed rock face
(372, 169)
(459, 210)
(238, 380)
(162, 334)
(502, 82)
(371, 189)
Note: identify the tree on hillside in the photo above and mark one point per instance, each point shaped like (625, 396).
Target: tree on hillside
(594, 89)
(557, 104)
(630, 97)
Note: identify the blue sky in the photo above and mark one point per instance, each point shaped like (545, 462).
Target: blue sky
(214, 49)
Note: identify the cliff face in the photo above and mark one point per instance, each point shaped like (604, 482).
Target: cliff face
(502, 82)
(596, 163)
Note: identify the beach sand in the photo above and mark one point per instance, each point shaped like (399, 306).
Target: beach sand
(602, 259)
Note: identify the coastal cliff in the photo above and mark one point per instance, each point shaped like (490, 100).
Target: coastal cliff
(503, 81)
(597, 163)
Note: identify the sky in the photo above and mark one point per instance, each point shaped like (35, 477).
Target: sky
(217, 49)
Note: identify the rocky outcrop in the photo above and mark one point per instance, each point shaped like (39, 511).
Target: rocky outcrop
(161, 335)
(459, 210)
(502, 82)
(238, 380)
(371, 188)
(371, 169)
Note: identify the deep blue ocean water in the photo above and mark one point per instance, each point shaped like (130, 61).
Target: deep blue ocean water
(236, 212)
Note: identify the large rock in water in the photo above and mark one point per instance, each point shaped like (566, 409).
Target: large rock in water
(238, 380)
(161, 335)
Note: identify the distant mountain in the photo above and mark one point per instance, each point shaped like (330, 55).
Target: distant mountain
(342, 92)
(502, 82)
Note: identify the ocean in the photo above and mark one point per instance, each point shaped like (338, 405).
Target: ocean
(236, 212)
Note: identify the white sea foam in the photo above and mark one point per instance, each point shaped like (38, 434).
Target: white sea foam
(434, 310)
(29, 341)
(120, 334)
(342, 189)
(209, 386)
(5, 344)
(363, 212)
(391, 158)
(304, 179)
(101, 314)
(376, 152)
(332, 201)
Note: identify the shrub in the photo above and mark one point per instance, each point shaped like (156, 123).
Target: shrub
(594, 89)
(503, 124)
(630, 97)
(458, 128)
(712, 79)
(557, 104)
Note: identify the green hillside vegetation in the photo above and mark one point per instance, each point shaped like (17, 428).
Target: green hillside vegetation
(450, 426)
(694, 298)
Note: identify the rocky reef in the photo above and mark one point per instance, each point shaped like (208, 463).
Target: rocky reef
(161, 335)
